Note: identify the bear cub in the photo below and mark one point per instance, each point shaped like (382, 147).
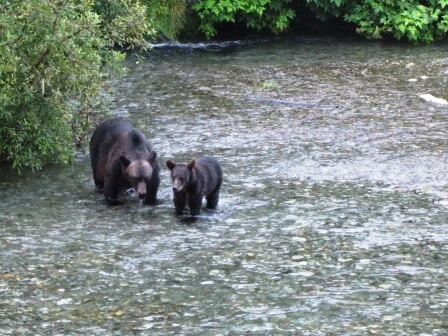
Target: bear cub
(194, 180)
(123, 158)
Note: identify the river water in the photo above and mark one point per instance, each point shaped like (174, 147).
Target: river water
(332, 220)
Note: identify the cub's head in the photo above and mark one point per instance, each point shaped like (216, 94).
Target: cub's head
(181, 174)
(138, 172)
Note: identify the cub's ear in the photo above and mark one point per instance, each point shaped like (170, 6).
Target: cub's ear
(125, 161)
(191, 164)
(152, 157)
(170, 164)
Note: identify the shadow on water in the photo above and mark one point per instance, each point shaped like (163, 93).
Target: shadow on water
(332, 218)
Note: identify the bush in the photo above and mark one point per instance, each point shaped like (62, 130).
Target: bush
(411, 20)
(167, 17)
(54, 59)
(272, 15)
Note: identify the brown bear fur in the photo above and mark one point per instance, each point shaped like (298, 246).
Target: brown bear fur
(123, 158)
(192, 181)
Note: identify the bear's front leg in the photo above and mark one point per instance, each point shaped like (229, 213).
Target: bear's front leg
(151, 189)
(194, 203)
(180, 201)
(111, 190)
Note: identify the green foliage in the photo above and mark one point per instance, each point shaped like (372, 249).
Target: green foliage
(55, 57)
(412, 20)
(166, 16)
(124, 22)
(273, 15)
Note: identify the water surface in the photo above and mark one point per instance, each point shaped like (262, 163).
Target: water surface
(333, 215)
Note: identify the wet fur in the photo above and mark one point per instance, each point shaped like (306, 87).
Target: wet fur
(122, 158)
(193, 181)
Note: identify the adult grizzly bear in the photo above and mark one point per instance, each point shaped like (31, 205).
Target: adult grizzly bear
(123, 158)
(194, 180)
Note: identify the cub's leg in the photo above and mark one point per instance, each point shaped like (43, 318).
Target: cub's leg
(194, 203)
(180, 201)
(213, 198)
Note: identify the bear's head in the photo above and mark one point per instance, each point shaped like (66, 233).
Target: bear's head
(138, 172)
(182, 174)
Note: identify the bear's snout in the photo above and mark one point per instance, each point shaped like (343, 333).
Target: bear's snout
(177, 185)
(141, 190)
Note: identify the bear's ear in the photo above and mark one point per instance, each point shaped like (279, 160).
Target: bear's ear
(152, 157)
(170, 164)
(191, 164)
(125, 161)
(135, 138)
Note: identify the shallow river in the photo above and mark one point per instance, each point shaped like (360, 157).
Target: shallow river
(332, 220)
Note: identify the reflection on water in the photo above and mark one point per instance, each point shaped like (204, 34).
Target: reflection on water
(332, 218)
